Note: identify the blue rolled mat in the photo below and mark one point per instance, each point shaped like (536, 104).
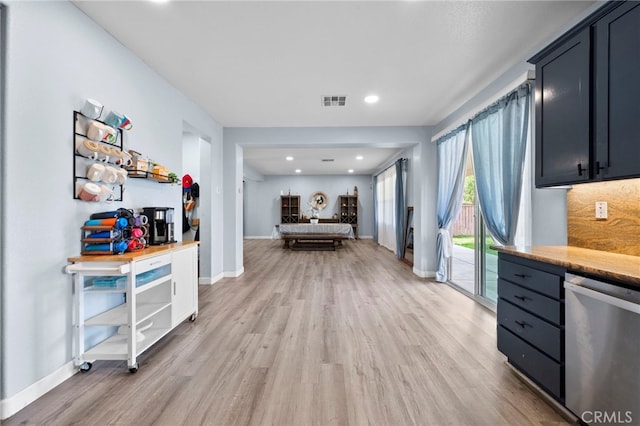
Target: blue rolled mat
(98, 247)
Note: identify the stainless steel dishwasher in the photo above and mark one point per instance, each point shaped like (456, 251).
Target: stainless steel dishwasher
(602, 348)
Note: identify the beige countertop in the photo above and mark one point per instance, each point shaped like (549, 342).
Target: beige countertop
(618, 267)
(134, 255)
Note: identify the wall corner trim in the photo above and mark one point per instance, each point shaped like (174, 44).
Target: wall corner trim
(234, 274)
(10, 406)
(210, 280)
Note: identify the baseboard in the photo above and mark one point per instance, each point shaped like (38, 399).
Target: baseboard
(210, 280)
(559, 408)
(365, 237)
(10, 406)
(424, 274)
(234, 274)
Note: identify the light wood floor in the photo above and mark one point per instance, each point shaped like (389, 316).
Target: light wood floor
(349, 337)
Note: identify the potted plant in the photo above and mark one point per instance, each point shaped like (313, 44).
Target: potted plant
(314, 217)
(315, 214)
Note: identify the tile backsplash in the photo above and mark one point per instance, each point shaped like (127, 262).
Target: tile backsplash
(620, 232)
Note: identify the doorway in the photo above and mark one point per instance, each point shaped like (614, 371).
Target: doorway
(197, 206)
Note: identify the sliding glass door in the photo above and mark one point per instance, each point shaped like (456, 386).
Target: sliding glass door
(473, 263)
(488, 266)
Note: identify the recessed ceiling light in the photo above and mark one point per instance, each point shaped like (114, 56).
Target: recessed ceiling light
(298, 171)
(350, 170)
(289, 158)
(159, 1)
(371, 99)
(359, 157)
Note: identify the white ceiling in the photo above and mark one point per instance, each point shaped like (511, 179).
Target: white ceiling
(272, 161)
(267, 63)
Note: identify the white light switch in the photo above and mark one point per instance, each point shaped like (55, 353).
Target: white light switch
(601, 209)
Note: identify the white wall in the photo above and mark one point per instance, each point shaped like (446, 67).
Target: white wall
(425, 178)
(57, 57)
(191, 155)
(263, 200)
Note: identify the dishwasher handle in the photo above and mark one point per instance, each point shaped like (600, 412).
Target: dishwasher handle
(611, 300)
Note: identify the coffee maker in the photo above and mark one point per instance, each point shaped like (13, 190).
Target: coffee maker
(160, 224)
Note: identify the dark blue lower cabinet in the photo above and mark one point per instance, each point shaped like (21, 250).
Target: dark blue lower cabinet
(540, 368)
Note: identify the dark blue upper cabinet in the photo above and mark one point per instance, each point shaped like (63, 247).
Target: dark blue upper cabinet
(587, 100)
(617, 100)
(563, 90)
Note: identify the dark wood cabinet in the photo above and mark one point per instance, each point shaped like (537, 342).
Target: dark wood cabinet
(348, 205)
(617, 100)
(531, 320)
(289, 209)
(587, 126)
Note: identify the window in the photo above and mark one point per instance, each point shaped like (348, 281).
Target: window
(385, 193)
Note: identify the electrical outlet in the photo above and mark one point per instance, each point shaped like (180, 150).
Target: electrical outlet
(601, 209)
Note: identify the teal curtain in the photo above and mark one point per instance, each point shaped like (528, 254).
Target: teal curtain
(452, 159)
(401, 204)
(499, 140)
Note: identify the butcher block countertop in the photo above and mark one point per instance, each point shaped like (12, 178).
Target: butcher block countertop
(613, 266)
(134, 255)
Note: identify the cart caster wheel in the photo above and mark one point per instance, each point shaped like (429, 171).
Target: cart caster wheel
(193, 317)
(133, 369)
(85, 367)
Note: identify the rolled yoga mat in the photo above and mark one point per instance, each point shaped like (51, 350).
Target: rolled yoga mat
(104, 215)
(101, 222)
(98, 247)
(114, 234)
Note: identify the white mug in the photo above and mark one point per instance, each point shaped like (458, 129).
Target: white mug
(110, 175)
(90, 192)
(92, 109)
(121, 158)
(95, 172)
(110, 134)
(96, 131)
(125, 159)
(87, 148)
(122, 176)
(104, 152)
(114, 155)
(106, 194)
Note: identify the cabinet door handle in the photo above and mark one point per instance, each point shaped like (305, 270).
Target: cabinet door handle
(174, 288)
(521, 323)
(599, 167)
(521, 275)
(580, 169)
(522, 298)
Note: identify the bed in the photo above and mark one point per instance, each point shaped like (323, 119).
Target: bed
(311, 236)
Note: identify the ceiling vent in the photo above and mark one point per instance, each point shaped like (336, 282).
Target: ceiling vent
(327, 160)
(331, 101)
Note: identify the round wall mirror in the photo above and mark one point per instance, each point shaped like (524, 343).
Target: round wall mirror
(319, 200)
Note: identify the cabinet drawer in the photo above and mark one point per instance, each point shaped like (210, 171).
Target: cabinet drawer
(152, 263)
(539, 367)
(544, 336)
(542, 306)
(534, 279)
